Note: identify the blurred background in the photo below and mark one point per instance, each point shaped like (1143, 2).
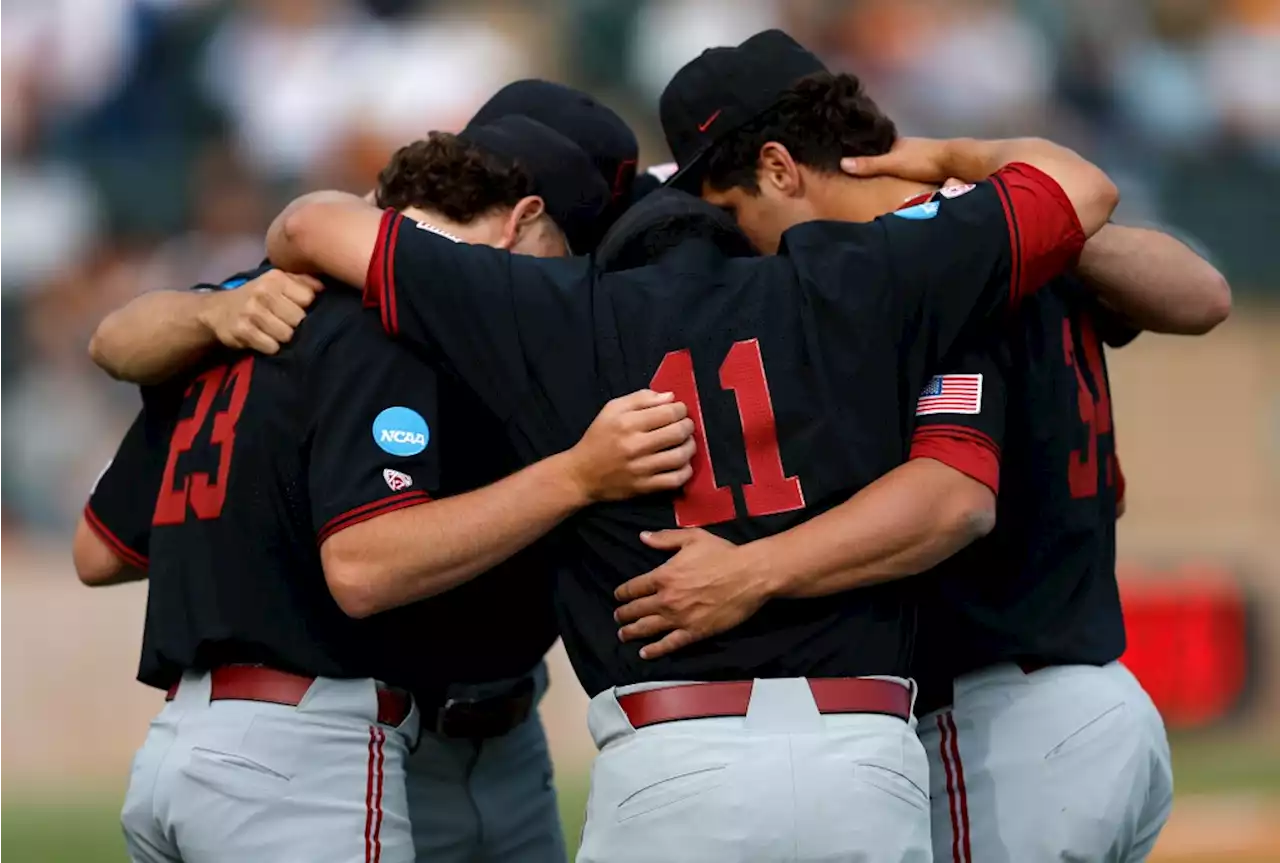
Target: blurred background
(147, 143)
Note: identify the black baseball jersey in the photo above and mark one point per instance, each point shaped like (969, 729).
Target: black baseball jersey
(1041, 588)
(802, 373)
(257, 460)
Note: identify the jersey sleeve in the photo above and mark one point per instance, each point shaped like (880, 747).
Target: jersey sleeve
(482, 312)
(975, 252)
(123, 499)
(373, 411)
(960, 417)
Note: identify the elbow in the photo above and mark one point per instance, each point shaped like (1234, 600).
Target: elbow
(96, 565)
(972, 512)
(1214, 306)
(288, 237)
(1106, 199)
(357, 578)
(100, 352)
(353, 588)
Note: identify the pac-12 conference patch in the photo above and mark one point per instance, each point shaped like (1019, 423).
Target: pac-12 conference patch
(395, 480)
(401, 431)
(951, 394)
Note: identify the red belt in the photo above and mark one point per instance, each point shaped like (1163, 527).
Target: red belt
(706, 700)
(259, 683)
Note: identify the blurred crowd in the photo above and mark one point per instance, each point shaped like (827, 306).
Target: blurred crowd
(146, 143)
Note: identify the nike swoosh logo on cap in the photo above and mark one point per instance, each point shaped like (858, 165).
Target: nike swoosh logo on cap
(704, 126)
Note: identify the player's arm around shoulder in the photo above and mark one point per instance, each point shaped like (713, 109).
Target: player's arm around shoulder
(638, 444)
(326, 232)
(1154, 281)
(162, 333)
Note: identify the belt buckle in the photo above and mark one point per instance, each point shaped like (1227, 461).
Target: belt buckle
(482, 718)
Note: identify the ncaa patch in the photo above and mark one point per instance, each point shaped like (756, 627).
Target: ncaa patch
(956, 191)
(919, 212)
(396, 481)
(951, 394)
(401, 431)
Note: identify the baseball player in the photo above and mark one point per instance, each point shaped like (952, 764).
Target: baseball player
(1050, 750)
(478, 783)
(796, 741)
(298, 487)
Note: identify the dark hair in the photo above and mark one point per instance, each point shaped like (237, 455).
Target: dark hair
(664, 220)
(455, 178)
(820, 120)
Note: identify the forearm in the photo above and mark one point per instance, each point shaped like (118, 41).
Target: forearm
(314, 234)
(1089, 189)
(153, 337)
(1154, 281)
(425, 550)
(908, 521)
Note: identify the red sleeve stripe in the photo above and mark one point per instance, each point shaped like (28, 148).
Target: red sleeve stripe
(1015, 242)
(1042, 222)
(977, 436)
(390, 306)
(973, 458)
(373, 276)
(122, 551)
(403, 500)
(379, 289)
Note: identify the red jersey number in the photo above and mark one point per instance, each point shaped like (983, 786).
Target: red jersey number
(1095, 411)
(205, 495)
(770, 491)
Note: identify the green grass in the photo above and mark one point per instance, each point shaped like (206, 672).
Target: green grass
(48, 828)
(43, 827)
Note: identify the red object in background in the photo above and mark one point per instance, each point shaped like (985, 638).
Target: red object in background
(1188, 640)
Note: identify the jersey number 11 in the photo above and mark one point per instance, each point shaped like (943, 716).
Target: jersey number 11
(770, 491)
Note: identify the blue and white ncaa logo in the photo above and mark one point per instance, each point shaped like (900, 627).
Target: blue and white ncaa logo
(401, 431)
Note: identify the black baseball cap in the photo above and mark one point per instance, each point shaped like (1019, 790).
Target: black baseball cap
(563, 175)
(721, 91)
(597, 129)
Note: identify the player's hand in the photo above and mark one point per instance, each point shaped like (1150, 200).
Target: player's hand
(923, 160)
(638, 444)
(850, 167)
(705, 589)
(260, 315)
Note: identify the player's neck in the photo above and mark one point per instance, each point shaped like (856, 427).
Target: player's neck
(852, 199)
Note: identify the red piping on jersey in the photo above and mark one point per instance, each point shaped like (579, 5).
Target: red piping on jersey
(351, 517)
(1015, 243)
(967, 450)
(390, 304)
(122, 551)
(1044, 224)
(372, 295)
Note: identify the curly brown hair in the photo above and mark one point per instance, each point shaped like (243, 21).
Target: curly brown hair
(820, 120)
(452, 177)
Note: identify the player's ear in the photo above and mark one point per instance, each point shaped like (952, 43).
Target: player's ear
(524, 215)
(776, 170)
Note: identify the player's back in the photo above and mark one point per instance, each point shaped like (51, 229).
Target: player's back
(235, 567)
(1041, 588)
(801, 372)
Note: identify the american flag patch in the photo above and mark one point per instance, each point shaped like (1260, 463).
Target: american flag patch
(951, 394)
